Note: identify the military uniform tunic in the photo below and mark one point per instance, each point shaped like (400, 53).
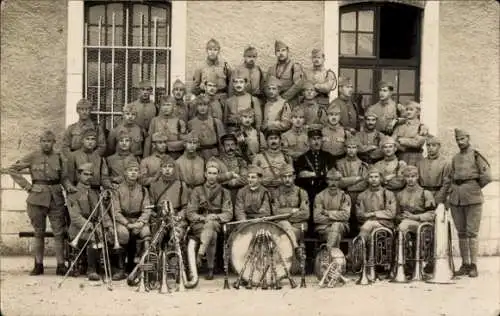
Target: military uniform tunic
(72, 139)
(416, 201)
(137, 137)
(369, 151)
(285, 200)
(314, 112)
(255, 80)
(218, 68)
(145, 113)
(434, 173)
(386, 113)
(100, 168)
(242, 101)
(378, 200)
(392, 171)
(191, 170)
(348, 113)
(295, 142)
(333, 140)
(271, 163)
(410, 141)
(252, 203)
(209, 130)
(324, 81)
(290, 75)
(174, 128)
(277, 111)
(116, 164)
(150, 168)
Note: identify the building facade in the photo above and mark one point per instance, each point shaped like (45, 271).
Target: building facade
(443, 54)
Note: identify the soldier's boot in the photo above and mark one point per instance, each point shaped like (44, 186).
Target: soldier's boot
(429, 267)
(131, 249)
(38, 249)
(59, 249)
(473, 246)
(463, 244)
(37, 269)
(92, 256)
(120, 265)
(210, 261)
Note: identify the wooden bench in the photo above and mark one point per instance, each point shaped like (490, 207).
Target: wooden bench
(32, 234)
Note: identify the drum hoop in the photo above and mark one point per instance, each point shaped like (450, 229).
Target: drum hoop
(243, 226)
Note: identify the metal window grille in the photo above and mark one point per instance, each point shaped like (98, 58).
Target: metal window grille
(124, 43)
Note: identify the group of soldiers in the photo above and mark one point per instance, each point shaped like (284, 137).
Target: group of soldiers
(243, 144)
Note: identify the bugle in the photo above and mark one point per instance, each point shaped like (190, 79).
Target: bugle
(74, 242)
(116, 243)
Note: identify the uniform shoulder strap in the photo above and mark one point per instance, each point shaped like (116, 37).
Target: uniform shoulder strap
(478, 155)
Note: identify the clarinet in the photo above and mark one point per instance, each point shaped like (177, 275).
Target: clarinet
(255, 259)
(226, 259)
(249, 255)
(282, 263)
(274, 274)
(302, 258)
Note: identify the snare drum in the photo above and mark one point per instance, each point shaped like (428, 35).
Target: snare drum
(239, 242)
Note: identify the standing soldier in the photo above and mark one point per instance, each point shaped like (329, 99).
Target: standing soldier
(183, 108)
(150, 166)
(324, 80)
(232, 164)
(387, 111)
(390, 167)
(191, 165)
(253, 201)
(252, 73)
(88, 154)
(212, 65)
(135, 131)
(208, 208)
(315, 113)
(132, 217)
(470, 172)
(289, 74)
(276, 109)
(332, 208)
(295, 140)
(117, 161)
(216, 103)
(348, 113)
(370, 150)
(146, 109)
(72, 139)
(208, 128)
(251, 140)
(293, 200)
(334, 133)
(272, 159)
(48, 171)
(434, 170)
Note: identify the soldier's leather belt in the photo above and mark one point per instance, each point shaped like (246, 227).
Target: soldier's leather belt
(432, 188)
(460, 181)
(213, 146)
(46, 182)
(95, 187)
(132, 215)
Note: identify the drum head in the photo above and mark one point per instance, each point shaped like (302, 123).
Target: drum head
(239, 243)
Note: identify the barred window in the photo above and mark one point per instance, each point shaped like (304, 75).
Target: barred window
(124, 43)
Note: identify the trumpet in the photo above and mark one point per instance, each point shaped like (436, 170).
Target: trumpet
(74, 242)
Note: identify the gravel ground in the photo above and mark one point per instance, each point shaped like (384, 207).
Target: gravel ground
(25, 295)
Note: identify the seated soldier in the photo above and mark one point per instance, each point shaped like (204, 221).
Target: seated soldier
(253, 200)
(208, 208)
(370, 150)
(376, 206)
(295, 141)
(314, 111)
(168, 188)
(80, 207)
(293, 200)
(116, 162)
(332, 208)
(251, 139)
(132, 218)
(191, 165)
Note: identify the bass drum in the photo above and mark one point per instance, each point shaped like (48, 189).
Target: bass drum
(239, 242)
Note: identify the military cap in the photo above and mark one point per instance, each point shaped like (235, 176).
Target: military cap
(130, 108)
(89, 132)
(247, 111)
(370, 113)
(384, 84)
(228, 136)
(203, 99)
(286, 169)
(179, 83)
(145, 84)
(413, 104)
(250, 50)
(460, 133)
(333, 108)
(123, 134)
(213, 43)
(131, 162)
(272, 129)
(212, 163)
(307, 85)
(387, 140)
(344, 81)
(83, 104)
(238, 74)
(48, 135)
(410, 170)
(333, 174)
(273, 81)
(431, 139)
(191, 137)
(374, 169)
(167, 160)
(315, 130)
(298, 111)
(352, 141)
(255, 169)
(158, 137)
(89, 167)
(317, 52)
(168, 99)
(279, 45)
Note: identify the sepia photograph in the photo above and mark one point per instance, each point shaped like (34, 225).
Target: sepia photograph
(295, 158)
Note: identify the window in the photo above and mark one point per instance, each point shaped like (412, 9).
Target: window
(381, 41)
(124, 43)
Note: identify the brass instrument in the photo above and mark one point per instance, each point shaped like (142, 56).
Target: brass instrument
(443, 250)
(302, 247)
(423, 249)
(399, 275)
(332, 275)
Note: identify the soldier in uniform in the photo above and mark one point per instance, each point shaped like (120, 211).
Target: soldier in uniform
(208, 128)
(169, 124)
(290, 74)
(353, 173)
(150, 166)
(387, 111)
(48, 171)
(208, 208)
(146, 109)
(213, 65)
(272, 159)
(295, 141)
(410, 136)
(390, 167)
(88, 154)
(470, 172)
(216, 105)
(376, 206)
(348, 113)
(332, 209)
(370, 150)
(253, 200)
(252, 73)
(116, 162)
(81, 205)
(169, 188)
(191, 165)
(72, 139)
(136, 132)
(324, 80)
(183, 109)
(276, 110)
(434, 170)
(250, 140)
(132, 217)
(315, 112)
(334, 133)
(293, 200)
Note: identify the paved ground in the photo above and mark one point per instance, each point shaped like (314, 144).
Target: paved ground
(25, 295)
